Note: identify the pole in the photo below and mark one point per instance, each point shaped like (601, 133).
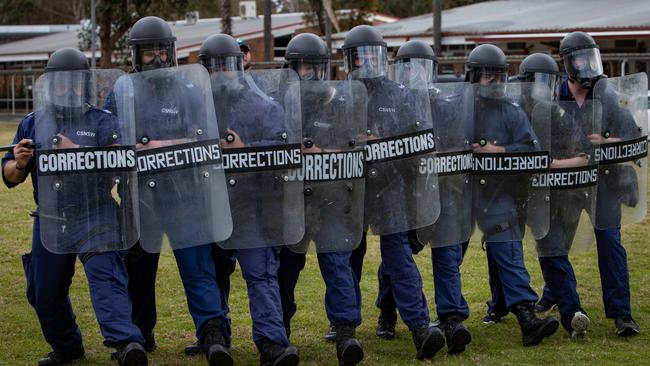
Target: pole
(437, 27)
(93, 37)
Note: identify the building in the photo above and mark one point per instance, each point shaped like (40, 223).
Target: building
(522, 27)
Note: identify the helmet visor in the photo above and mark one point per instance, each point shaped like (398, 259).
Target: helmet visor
(429, 67)
(366, 62)
(584, 63)
(310, 69)
(223, 64)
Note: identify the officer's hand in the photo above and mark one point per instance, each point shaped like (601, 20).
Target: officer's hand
(23, 153)
(65, 143)
(153, 144)
(312, 150)
(597, 138)
(236, 142)
(488, 148)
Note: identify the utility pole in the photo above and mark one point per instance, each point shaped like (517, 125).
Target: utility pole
(437, 27)
(93, 34)
(268, 37)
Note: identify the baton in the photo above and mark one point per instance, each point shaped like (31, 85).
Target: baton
(10, 148)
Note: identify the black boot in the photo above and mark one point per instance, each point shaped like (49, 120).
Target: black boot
(456, 334)
(533, 329)
(386, 324)
(149, 342)
(428, 341)
(214, 344)
(626, 326)
(194, 349)
(273, 354)
(57, 358)
(348, 348)
(131, 354)
(330, 336)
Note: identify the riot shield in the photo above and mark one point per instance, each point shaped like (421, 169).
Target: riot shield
(87, 193)
(572, 179)
(401, 195)
(510, 152)
(262, 127)
(183, 196)
(452, 112)
(622, 150)
(333, 116)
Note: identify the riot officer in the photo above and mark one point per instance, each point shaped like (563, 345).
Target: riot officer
(582, 63)
(366, 60)
(159, 102)
(570, 149)
(453, 223)
(501, 126)
(247, 114)
(324, 126)
(49, 275)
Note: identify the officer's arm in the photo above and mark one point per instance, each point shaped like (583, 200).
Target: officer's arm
(274, 122)
(523, 136)
(17, 164)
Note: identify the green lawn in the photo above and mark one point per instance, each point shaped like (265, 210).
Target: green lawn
(21, 341)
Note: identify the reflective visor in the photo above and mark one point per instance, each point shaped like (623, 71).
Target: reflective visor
(227, 63)
(584, 63)
(366, 61)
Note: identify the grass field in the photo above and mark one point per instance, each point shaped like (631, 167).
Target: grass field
(21, 341)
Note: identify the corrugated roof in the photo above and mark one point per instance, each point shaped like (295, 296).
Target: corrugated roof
(189, 36)
(507, 16)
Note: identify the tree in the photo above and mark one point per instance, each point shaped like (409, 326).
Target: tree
(115, 18)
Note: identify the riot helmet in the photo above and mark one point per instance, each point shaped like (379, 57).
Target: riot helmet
(366, 54)
(153, 44)
(68, 77)
(420, 53)
(308, 56)
(487, 67)
(221, 53)
(581, 57)
(542, 70)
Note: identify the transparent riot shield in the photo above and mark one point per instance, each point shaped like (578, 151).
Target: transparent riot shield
(262, 134)
(182, 187)
(510, 152)
(572, 179)
(401, 195)
(87, 192)
(622, 150)
(333, 118)
(452, 112)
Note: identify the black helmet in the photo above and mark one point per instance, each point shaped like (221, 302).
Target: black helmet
(67, 59)
(153, 44)
(541, 69)
(67, 78)
(538, 62)
(581, 57)
(421, 53)
(487, 66)
(221, 52)
(486, 59)
(307, 54)
(365, 52)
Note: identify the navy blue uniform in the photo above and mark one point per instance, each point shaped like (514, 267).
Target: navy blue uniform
(388, 106)
(612, 257)
(162, 114)
(446, 260)
(567, 140)
(257, 121)
(49, 275)
(495, 203)
(325, 208)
